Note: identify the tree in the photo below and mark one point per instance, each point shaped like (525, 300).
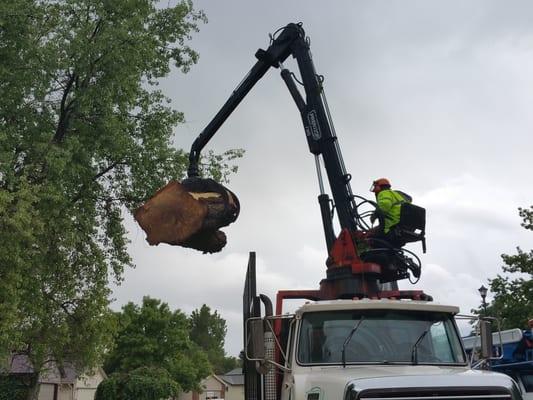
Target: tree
(208, 330)
(154, 336)
(229, 363)
(513, 290)
(84, 134)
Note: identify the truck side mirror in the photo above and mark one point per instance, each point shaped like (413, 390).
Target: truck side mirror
(255, 348)
(486, 339)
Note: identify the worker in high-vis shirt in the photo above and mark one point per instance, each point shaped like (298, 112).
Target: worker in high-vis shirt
(388, 234)
(389, 204)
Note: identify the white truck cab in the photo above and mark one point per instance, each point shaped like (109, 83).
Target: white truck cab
(382, 349)
(362, 349)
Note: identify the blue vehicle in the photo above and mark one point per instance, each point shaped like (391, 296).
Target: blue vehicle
(513, 350)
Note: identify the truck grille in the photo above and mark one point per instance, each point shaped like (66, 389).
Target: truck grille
(457, 393)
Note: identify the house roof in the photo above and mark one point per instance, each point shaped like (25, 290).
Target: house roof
(233, 377)
(235, 371)
(20, 364)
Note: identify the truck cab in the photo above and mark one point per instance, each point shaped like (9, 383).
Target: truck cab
(355, 349)
(373, 349)
(360, 349)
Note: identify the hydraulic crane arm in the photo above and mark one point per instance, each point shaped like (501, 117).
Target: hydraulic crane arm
(318, 127)
(190, 213)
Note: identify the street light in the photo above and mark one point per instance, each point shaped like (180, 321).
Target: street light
(483, 292)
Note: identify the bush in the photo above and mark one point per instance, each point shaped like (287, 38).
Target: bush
(145, 383)
(12, 388)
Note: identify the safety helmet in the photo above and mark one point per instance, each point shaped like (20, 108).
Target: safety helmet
(376, 185)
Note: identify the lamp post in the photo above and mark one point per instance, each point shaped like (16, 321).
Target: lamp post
(483, 292)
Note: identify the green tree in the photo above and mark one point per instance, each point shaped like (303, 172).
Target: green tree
(145, 383)
(208, 330)
(229, 363)
(84, 135)
(513, 290)
(152, 335)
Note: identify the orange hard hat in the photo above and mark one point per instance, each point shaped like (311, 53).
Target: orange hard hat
(378, 183)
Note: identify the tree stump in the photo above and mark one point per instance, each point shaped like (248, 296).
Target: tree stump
(189, 214)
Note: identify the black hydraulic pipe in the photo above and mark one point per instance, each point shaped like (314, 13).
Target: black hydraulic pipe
(293, 90)
(325, 211)
(268, 305)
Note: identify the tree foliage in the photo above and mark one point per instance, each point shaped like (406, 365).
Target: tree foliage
(84, 132)
(145, 383)
(229, 363)
(154, 336)
(208, 330)
(513, 290)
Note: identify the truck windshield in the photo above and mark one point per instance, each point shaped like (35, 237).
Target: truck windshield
(384, 336)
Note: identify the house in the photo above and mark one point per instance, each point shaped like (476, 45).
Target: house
(54, 385)
(229, 386)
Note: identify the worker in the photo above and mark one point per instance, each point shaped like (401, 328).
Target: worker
(385, 236)
(388, 209)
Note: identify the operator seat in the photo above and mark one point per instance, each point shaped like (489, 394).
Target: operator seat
(412, 226)
(387, 252)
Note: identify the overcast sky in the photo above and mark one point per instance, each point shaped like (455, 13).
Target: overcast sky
(436, 96)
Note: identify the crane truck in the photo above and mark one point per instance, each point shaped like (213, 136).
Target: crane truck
(356, 337)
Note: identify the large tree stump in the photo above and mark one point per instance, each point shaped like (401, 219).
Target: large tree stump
(189, 214)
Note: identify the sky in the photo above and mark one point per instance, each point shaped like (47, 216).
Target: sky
(434, 95)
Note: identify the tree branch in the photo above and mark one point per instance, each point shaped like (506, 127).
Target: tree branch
(96, 29)
(106, 170)
(96, 177)
(65, 111)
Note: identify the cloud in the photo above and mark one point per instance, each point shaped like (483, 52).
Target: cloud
(451, 288)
